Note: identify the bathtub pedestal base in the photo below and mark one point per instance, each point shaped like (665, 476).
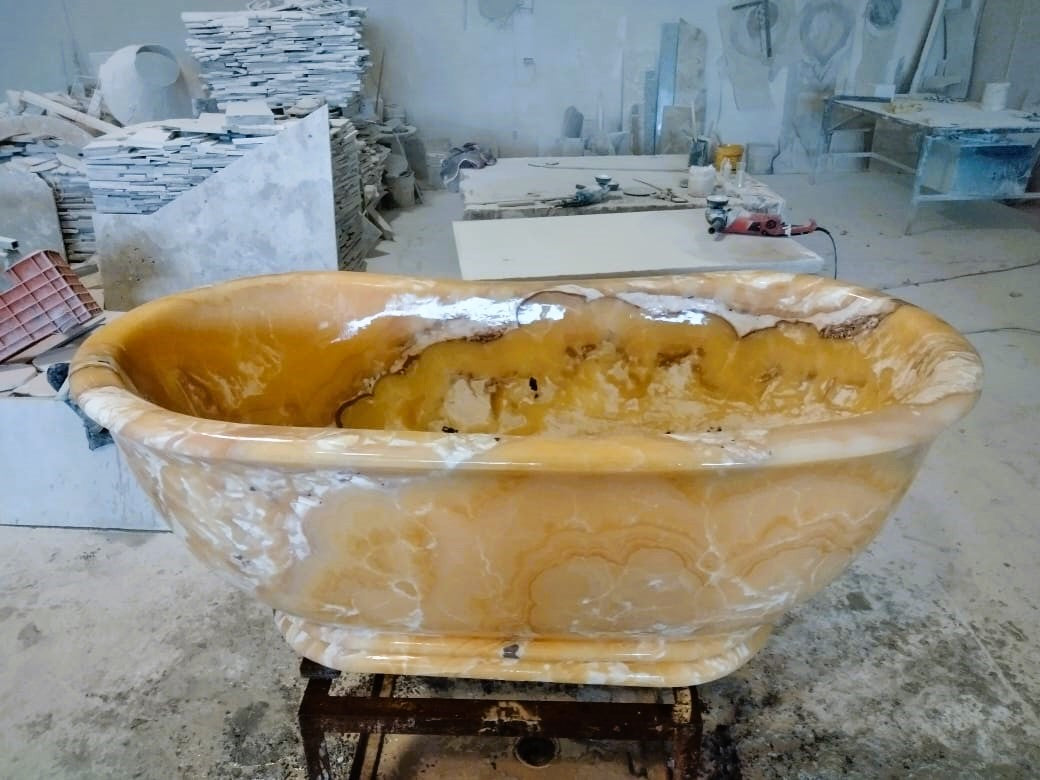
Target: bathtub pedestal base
(679, 724)
(652, 662)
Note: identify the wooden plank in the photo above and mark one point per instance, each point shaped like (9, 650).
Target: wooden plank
(383, 226)
(69, 113)
(644, 242)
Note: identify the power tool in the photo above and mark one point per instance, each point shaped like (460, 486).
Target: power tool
(722, 219)
(586, 196)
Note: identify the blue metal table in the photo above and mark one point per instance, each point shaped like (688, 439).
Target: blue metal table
(987, 155)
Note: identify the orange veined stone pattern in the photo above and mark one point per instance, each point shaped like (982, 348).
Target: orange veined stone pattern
(620, 481)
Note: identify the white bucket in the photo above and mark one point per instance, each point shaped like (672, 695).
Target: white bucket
(995, 95)
(701, 181)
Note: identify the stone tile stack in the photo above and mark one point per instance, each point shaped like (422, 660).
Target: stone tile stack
(144, 167)
(373, 164)
(347, 194)
(60, 165)
(75, 210)
(301, 48)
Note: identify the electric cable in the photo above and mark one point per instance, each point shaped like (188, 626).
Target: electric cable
(834, 247)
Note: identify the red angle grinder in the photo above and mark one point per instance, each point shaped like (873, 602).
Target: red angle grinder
(722, 219)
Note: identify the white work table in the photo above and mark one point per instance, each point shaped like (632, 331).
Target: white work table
(625, 244)
(533, 186)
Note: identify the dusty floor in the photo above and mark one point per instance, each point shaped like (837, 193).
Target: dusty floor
(122, 657)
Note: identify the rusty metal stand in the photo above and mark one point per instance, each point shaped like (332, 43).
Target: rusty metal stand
(678, 724)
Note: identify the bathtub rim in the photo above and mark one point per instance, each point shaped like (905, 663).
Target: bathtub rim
(99, 387)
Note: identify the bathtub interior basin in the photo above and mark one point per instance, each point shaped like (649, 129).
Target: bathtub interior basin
(623, 481)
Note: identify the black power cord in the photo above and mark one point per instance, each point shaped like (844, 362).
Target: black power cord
(834, 247)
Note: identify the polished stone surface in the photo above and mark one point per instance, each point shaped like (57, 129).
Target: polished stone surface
(918, 662)
(620, 482)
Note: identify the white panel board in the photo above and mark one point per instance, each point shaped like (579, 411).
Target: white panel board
(641, 242)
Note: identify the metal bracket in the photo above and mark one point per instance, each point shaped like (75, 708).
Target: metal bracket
(321, 713)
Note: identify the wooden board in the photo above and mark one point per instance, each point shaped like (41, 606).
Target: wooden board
(643, 242)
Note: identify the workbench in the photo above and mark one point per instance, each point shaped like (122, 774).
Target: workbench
(533, 186)
(619, 244)
(963, 151)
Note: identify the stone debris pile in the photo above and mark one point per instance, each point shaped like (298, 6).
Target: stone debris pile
(62, 167)
(373, 162)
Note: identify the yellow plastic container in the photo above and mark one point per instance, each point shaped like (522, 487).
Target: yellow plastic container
(731, 152)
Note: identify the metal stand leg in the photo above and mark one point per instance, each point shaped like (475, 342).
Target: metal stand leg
(823, 145)
(923, 150)
(678, 724)
(686, 740)
(312, 729)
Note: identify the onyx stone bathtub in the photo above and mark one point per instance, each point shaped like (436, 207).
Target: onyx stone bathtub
(621, 482)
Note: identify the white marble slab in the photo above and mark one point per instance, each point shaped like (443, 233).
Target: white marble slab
(28, 213)
(524, 178)
(14, 375)
(639, 242)
(60, 481)
(962, 115)
(270, 211)
(532, 186)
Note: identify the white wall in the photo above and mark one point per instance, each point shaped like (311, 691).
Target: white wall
(1008, 49)
(44, 44)
(459, 75)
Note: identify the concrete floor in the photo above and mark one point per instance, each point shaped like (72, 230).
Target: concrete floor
(123, 657)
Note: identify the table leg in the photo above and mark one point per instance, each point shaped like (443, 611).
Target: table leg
(823, 144)
(312, 730)
(924, 148)
(686, 737)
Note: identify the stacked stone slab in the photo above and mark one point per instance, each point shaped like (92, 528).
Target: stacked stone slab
(75, 210)
(309, 47)
(144, 167)
(60, 165)
(373, 165)
(347, 194)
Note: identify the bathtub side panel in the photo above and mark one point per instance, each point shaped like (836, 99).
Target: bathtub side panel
(469, 553)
